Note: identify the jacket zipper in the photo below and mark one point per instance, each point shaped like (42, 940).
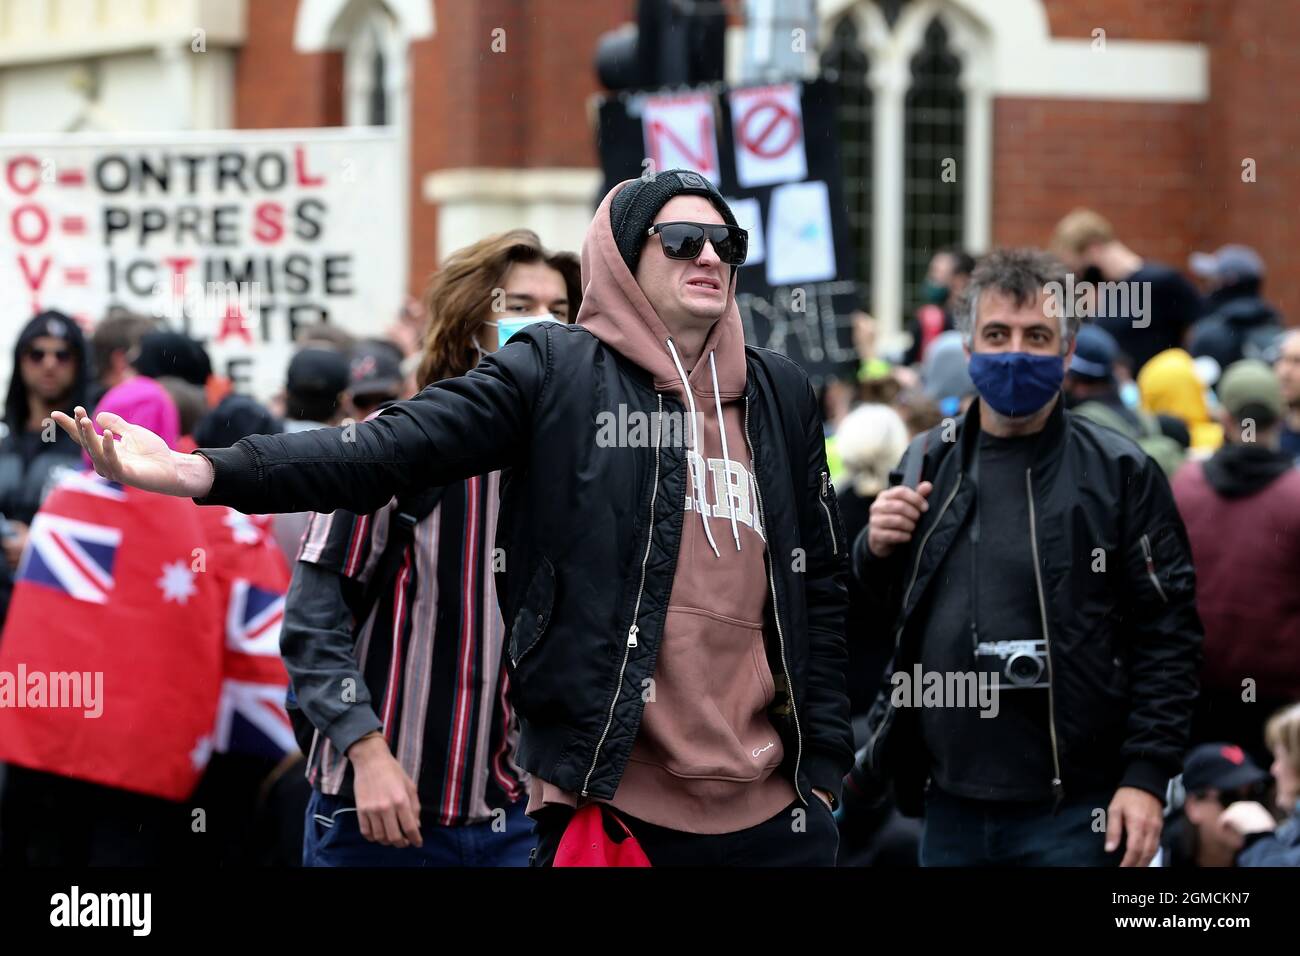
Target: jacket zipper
(776, 614)
(898, 636)
(1058, 788)
(636, 608)
(830, 524)
(1151, 567)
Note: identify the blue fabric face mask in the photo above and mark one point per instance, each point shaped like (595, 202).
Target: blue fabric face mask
(1016, 384)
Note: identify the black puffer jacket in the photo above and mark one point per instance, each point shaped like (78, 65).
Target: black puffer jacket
(591, 533)
(1118, 599)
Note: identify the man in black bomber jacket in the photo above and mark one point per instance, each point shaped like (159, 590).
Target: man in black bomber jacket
(1039, 551)
(592, 535)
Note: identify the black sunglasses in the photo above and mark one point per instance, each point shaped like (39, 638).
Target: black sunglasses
(685, 240)
(62, 356)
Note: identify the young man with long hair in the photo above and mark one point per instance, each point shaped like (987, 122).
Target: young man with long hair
(392, 635)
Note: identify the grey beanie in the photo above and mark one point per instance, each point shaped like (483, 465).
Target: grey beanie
(632, 211)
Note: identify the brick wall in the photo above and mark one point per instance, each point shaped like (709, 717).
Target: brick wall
(1254, 111)
(525, 107)
(275, 86)
(1135, 163)
(1183, 20)
(1168, 175)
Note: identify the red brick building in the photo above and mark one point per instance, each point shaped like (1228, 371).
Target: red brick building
(1177, 119)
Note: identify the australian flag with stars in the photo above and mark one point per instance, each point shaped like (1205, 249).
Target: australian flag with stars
(122, 584)
(178, 607)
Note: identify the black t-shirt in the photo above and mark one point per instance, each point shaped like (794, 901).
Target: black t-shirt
(985, 592)
(1170, 308)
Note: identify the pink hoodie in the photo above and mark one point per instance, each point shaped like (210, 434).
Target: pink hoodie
(705, 758)
(141, 401)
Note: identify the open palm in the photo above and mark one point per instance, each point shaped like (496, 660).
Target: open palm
(140, 458)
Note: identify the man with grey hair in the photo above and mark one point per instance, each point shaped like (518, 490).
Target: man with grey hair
(1044, 554)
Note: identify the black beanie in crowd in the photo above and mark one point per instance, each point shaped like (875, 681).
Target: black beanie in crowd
(632, 211)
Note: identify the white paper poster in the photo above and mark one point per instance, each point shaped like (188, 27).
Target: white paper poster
(750, 217)
(679, 134)
(800, 244)
(767, 125)
(236, 237)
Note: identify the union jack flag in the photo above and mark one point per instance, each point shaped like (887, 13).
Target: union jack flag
(251, 717)
(253, 620)
(71, 556)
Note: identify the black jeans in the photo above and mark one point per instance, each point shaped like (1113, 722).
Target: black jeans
(796, 836)
(964, 832)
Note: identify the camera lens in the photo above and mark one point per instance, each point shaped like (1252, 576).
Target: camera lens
(1024, 670)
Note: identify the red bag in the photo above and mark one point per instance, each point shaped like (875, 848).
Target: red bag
(585, 842)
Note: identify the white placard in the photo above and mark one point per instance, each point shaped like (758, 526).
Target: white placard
(236, 237)
(767, 126)
(749, 216)
(800, 245)
(680, 134)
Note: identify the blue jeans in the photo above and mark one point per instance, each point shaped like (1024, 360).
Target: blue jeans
(963, 832)
(332, 837)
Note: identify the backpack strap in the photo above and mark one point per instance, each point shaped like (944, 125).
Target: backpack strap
(915, 456)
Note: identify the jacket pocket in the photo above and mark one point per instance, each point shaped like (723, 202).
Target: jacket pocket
(534, 613)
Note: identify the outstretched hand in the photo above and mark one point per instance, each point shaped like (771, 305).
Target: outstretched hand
(135, 456)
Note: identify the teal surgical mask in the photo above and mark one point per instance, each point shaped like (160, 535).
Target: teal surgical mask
(508, 327)
(934, 293)
(1130, 394)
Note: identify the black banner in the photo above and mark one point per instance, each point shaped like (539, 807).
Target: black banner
(806, 320)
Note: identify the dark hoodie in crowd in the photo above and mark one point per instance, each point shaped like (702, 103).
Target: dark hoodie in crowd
(27, 462)
(706, 756)
(235, 417)
(1238, 324)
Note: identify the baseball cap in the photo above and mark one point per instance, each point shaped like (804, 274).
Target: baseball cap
(1094, 353)
(1230, 262)
(1249, 389)
(317, 372)
(375, 368)
(1220, 766)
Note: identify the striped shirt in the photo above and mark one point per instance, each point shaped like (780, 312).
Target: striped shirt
(430, 653)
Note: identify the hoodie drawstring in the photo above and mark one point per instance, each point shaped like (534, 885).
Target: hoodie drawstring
(694, 442)
(726, 457)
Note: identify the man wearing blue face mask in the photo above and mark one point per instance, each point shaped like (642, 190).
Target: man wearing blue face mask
(1035, 555)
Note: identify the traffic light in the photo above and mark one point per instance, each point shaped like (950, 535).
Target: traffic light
(672, 43)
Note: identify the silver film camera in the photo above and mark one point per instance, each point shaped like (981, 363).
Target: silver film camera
(1017, 664)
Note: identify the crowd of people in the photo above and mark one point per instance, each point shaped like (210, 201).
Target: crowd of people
(1207, 384)
(433, 621)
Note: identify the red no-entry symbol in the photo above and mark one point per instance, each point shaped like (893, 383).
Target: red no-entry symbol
(768, 129)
